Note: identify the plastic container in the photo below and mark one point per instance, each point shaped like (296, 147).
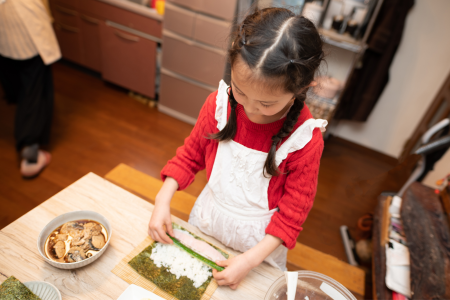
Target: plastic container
(310, 286)
(159, 5)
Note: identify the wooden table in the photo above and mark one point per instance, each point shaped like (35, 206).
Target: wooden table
(129, 216)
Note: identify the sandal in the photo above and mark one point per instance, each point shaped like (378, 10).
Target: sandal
(31, 170)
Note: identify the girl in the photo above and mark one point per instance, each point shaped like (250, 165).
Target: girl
(259, 145)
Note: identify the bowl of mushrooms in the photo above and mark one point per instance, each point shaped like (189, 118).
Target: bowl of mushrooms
(74, 239)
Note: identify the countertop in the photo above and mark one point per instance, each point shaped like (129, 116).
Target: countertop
(136, 8)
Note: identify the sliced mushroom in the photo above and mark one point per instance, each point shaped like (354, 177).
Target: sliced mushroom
(60, 249)
(76, 254)
(61, 237)
(98, 241)
(72, 228)
(78, 241)
(91, 229)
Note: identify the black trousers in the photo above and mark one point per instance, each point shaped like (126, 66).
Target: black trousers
(29, 84)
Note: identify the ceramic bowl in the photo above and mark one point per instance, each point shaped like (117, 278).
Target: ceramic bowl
(67, 217)
(44, 290)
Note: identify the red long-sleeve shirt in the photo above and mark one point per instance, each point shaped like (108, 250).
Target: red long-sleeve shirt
(292, 192)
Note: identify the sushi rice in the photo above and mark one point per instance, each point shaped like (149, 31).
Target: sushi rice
(180, 263)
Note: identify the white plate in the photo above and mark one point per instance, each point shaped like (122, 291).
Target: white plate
(44, 290)
(134, 292)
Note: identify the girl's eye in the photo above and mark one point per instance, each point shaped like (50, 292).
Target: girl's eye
(242, 94)
(265, 105)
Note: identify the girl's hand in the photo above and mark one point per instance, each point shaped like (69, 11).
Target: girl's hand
(161, 222)
(236, 270)
(238, 267)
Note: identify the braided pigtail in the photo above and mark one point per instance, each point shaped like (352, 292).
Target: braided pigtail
(229, 131)
(270, 166)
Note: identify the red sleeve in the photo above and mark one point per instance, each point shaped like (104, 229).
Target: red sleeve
(190, 158)
(299, 192)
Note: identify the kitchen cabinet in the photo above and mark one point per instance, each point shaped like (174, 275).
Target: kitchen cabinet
(128, 60)
(67, 30)
(115, 38)
(187, 106)
(195, 54)
(194, 60)
(218, 8)
(90, 38)
(69, 40)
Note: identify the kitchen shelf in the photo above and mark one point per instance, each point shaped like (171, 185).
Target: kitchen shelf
(341, 40)
(321, 108)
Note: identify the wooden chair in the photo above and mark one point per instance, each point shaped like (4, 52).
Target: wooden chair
(301, 257)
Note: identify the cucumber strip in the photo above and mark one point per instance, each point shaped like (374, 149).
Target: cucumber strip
(196, 255)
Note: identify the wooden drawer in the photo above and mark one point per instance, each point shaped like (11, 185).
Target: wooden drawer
(182, 95)
(128, 60)
(65, 15)
(193, 60)
(197, 26)
(90, 37)
(223, 9)
(121, 16)
(69, 40)
(179, 20)
(212, 31)
(72, 4)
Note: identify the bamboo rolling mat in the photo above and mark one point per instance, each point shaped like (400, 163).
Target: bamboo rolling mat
(127, 273)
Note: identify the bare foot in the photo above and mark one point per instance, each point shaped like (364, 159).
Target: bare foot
(30, 170)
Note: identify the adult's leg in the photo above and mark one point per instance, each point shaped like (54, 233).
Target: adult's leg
(9, 78)
(35, 104)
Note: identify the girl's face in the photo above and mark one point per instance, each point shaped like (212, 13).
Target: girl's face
(257, 101)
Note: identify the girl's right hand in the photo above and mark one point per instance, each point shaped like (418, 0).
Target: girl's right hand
(161, 221)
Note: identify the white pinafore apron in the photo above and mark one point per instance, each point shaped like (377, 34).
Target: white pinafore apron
(234, 205)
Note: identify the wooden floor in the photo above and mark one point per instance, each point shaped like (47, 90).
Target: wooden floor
(97, 126)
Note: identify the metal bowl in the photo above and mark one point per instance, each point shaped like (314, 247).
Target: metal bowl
(67, 217)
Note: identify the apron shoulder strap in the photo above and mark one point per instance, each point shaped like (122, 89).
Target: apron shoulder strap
(299, 138)
(222, 105)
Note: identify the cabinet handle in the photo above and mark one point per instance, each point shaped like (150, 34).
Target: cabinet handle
(127, 36)
(90, 19)
(66, 11)
(67, 28)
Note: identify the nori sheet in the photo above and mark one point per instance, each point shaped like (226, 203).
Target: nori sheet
(182, 288)
(13, 289)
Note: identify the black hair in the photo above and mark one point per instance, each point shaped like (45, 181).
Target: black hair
(283, 50)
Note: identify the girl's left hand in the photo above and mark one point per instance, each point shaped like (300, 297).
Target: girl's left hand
(236, 270)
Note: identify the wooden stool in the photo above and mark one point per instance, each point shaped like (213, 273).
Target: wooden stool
(301, 257)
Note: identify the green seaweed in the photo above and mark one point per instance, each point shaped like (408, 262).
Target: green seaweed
(182, 288)
(13, 289)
